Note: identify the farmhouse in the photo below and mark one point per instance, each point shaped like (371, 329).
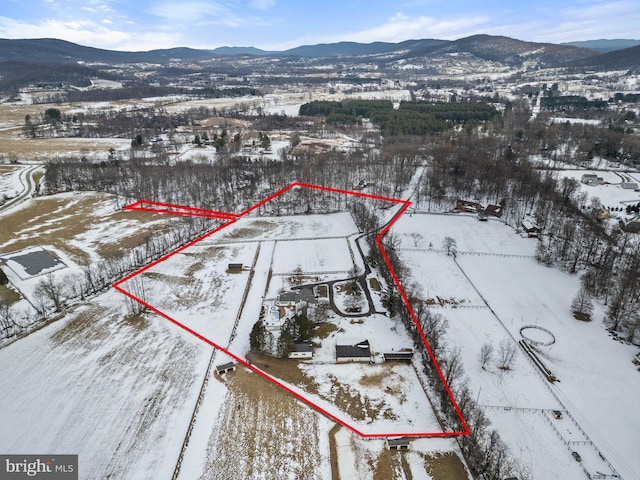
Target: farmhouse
(591, 179)
(295, 301)
(531, 228)
(225, 367)
(301, 350)
(401, 443)
(359, 352)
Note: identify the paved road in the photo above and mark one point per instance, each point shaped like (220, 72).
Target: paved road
(29, 187)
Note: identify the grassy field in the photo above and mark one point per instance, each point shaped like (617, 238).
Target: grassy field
(78, 224)
(13, 145)
(263, 433)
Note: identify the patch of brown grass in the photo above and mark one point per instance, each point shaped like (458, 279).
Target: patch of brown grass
(387, 465)
(583, 317)
(9, 295)
(371, 380)
(7, 169)
(375, 284)
(324, 329)
(283, 368)
(445, 466)
(358, 406)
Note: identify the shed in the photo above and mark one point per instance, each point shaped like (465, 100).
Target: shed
(359, 352)
(531, 228)
(400, 356)
(301, 350)
(629, 185)
(235, 267)
(225, 367)
(494, 210)
(401, 443)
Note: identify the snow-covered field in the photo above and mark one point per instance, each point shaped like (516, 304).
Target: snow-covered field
(598, 384)
(287, 228)
(327, 255)
(10, 184)
(194, 288)
(470, 234)
(612, 194)
(113, 390)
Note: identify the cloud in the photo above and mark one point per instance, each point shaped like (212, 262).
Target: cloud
(403, 27)
(89, 33)
(262, 4)
(588, 21)
(201, 14)
(188, 11)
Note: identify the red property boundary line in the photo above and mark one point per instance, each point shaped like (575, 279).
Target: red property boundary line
(231, 218)
(157, 207)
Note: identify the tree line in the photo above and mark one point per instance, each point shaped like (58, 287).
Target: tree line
(410, 118)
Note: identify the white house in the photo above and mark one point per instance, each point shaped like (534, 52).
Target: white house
(302, 350)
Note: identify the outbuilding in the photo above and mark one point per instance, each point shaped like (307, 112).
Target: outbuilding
(358, 352)
(225, 367)
(494, 210)
(533, 230)
(301, 350)
(234, 267)
(399, 356)
(401, 443)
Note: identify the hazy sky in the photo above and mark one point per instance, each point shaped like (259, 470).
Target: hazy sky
(281, 24)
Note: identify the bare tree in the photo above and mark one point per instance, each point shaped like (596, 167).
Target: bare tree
(453, 369)
(295, 278)
(486, 352)
(7, 320)
(581, 306)
(449, 244)
(417, 239)
(137, 288)
(48, 289)
(435, 328)
(506, 354)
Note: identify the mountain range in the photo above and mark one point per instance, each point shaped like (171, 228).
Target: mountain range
(500, 49)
